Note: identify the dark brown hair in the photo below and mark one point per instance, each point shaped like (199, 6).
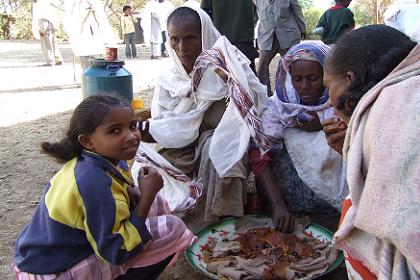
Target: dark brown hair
(87, 116)
(371, 53)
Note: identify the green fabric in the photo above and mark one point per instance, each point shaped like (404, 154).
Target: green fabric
(233, 18)
(335, 23)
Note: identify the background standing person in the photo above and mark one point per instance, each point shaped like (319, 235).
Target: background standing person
(281, 26)
(152, 28)
(88, 28)
(335, 22)
(165, 8)
(129, 32)
(44, 22)
(235, 20)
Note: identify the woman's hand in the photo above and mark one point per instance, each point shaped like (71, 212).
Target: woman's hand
(309, 126)
(282, 218)
(335, 132)
(221, 74)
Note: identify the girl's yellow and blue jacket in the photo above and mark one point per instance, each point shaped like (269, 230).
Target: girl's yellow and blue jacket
(85, 210)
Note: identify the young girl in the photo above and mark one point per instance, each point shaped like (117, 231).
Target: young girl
(89, 223)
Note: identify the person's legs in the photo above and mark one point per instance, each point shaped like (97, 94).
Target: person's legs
(58, 59)
(127, 45)
(248, 49)
(154, 50)
(45, 34)
(147, 273)
(162, 46)
(132, 37)
(263, 72)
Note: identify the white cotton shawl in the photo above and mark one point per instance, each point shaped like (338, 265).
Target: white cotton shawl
(176, 117)
(88, 27)
(151, 22)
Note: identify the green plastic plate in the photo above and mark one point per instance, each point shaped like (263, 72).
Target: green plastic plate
(226, 229)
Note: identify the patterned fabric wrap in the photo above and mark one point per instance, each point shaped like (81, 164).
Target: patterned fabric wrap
(196, 188)
(236, 93)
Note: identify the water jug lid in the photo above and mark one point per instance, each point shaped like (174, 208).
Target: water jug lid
(103, 63)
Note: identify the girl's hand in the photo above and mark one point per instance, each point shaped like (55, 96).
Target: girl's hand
(335, 132)
(309, 126)
(135, 195)
(150, 181)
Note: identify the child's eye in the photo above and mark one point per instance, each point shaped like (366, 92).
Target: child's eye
(133, 126)
(115, 131)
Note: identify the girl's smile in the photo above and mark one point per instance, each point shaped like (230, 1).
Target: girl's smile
(117, 138)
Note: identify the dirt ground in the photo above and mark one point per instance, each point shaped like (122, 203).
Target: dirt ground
(35, 106)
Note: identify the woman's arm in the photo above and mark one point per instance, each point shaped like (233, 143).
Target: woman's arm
(282, 218)
(260, 165)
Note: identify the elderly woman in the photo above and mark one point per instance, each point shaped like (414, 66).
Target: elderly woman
(375, 89)
(301, 174)
(205, 109)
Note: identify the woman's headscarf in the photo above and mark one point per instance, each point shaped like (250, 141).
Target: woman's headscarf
(285, 106)
(307, 50)
(180, 101)
(209, 36)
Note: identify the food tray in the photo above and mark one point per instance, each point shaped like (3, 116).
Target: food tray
(226, 228)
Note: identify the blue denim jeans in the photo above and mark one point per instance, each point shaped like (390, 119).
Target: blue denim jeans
(130, 45)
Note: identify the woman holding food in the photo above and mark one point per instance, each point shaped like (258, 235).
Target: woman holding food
(375, 89)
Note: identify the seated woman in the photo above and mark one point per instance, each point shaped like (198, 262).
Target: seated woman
(301, 174)
(375, 89)
(204, 110)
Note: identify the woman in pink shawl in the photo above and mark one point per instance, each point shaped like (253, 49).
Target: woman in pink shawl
(373, 76)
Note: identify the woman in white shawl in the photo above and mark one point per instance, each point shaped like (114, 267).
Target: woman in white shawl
(375, 89)
(205, 109)
(301, 174)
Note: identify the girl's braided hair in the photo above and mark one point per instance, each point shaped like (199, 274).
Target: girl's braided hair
(87, 116)
(371, 53)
